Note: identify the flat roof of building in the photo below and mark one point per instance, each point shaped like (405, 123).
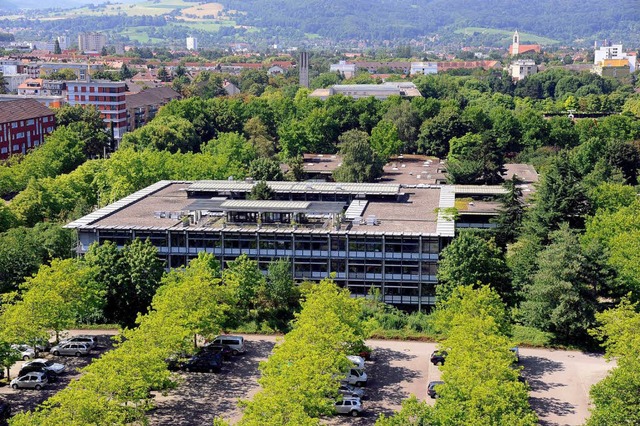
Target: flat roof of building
(415, 212)
(160, 207)
(296, 187)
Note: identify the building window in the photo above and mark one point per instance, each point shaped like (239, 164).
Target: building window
(14, 125)
(30, 122)
(45, 119)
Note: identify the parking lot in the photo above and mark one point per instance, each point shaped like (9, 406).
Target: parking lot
(559, 380)
(28, 399)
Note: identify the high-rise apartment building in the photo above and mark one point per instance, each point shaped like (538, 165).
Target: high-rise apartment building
(192, 43)
(106, 96)
(91, 42)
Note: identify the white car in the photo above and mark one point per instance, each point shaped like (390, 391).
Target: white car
(54, 367)
(351, 406)
(357, 377)
(358, 361)
(25, 351)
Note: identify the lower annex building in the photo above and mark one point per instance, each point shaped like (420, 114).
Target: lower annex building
(376, 235)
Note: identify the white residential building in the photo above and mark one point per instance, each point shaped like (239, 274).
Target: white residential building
(347, 70)
(424, 68)
(614, 51)
(522, 68)
(192, 43)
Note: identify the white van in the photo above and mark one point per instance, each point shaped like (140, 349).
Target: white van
(358, 361)
(357, 377)
(236, 343)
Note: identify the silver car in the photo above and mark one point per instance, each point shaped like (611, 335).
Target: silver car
(89, 341)
(49, 365)
(72, 349)
(347, 390)
(34, 380)
(351, 406)
(26, 352)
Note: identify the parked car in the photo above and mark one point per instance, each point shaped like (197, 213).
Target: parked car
(224, 350)
(357, 377)
(176, 361)
(351, 406)
(236, 343)
(5, 411)
(32, 380)
(438, 357)
(26, 352)
(54, 367)
(204, 363)
(71, 349)
(516, 352)
(347, 390)
(51, 376)
(431, 388)
(89, 341)
(358, 361)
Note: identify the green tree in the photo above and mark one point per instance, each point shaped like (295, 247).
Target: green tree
(435, 133)
(471, 260)
(258, 134)
(510, 213)
(125, 72)
(407, 121)
(614, 399)
(8, 357)
(359, 162)
(560, 198)
(164, 75)
(89, 126)
(56, 48)
(263, 168)
(561, 297)
(474, 159)
(385, 140)
(130, 277)
(169, 133)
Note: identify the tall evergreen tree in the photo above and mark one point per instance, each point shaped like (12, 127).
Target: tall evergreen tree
(510, 213)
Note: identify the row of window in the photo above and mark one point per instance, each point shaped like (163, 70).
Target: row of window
(368, 244)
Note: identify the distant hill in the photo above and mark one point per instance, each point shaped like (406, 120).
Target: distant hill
(563, 20)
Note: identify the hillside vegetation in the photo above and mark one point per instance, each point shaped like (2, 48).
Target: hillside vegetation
(564, 20)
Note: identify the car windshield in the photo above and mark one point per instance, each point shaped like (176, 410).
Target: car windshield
(48, 363)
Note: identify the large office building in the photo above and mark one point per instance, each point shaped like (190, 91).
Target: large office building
(106, 96)
(378, 91)
(384, 236)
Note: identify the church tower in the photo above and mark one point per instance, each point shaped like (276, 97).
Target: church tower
(515, 47)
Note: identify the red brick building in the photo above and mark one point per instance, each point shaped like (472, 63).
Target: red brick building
(23, 126)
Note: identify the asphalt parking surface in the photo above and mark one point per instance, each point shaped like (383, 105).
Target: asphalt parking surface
(28, 399)
(559, 381)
